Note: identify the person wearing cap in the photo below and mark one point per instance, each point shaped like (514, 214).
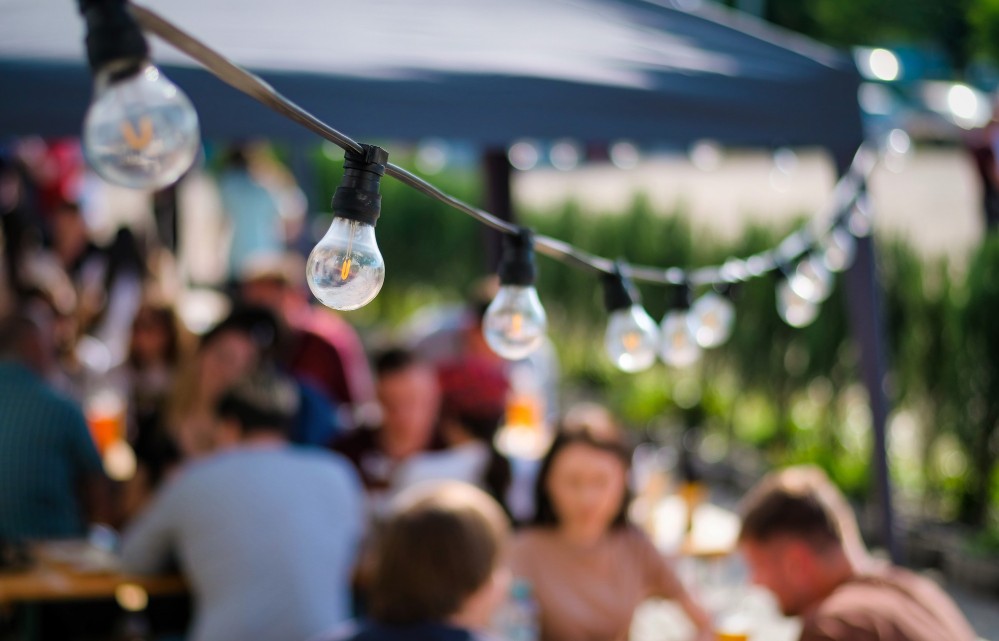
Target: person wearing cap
(265, 533)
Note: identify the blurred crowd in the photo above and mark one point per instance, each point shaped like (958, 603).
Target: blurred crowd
(299, 480)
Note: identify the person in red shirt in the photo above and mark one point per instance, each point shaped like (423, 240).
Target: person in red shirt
(801, 541)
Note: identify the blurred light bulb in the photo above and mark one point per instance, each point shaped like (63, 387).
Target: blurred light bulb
(796, 310)
(839, 248)
(119, 461)
(811, 280)
(711, 319)
(679, 346)
(515, 322)
(632, 339)
(861, 222)
(345, 269)
(141, 131)
(625, 155)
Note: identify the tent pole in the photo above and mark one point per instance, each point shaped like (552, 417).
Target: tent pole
(866, 317)
(165, 214)
(499, 199)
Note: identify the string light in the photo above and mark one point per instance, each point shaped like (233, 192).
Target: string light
(859, 221)
(352, 273)
(811, 280)
(839, 248)
(345, 270)
(794, 309)
(679, 346)
(514, 324)
(712, 317)
(632, 337)
(140, 131)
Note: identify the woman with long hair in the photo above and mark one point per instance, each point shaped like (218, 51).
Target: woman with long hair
(589, 567)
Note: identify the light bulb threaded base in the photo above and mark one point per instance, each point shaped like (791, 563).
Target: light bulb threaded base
(112, 35)
(517, 266)
(357, 198)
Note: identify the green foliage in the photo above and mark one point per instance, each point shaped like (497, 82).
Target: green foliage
(976, 377)
(983, 17)
(959, 28)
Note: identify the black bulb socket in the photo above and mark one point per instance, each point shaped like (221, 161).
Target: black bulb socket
(357, 198)
(517, 265)
(680, 297)
(619, 293)
(113, 36)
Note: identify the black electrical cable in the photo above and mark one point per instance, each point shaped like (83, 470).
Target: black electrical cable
(844, 195)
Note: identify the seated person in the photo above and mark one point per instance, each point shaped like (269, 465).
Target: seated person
(245, 339)
(265, 533)
(51, 478)
(410, 398)
(437, 568)
(800, 540)
(588, 566)
(474, 395)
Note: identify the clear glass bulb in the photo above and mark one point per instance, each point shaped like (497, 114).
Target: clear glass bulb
(345, 269)
(515, 322)
(860, 223)
(811, 280)
(839, 249)
(679, 347)
(711, 318)
(140, 132)
(632, 339)
(796, 310)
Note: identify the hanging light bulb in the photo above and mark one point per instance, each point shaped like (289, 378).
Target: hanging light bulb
(678, 346)
(811, 280)
(632, 337)
(711, 318)
(345, 270)
(796, 310)
(515, 322)
(140, 131)
(839, 248)
(860, 221)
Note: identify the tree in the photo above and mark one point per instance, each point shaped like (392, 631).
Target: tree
(945, 25)
(983, 17)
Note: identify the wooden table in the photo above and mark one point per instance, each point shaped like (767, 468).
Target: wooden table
(74, 570)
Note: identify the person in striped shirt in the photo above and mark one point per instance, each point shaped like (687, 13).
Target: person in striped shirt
(51, 478)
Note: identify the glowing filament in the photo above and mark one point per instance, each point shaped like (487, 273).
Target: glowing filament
(345, 267)
(141, 139)
(631, 341)
(516, 324)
